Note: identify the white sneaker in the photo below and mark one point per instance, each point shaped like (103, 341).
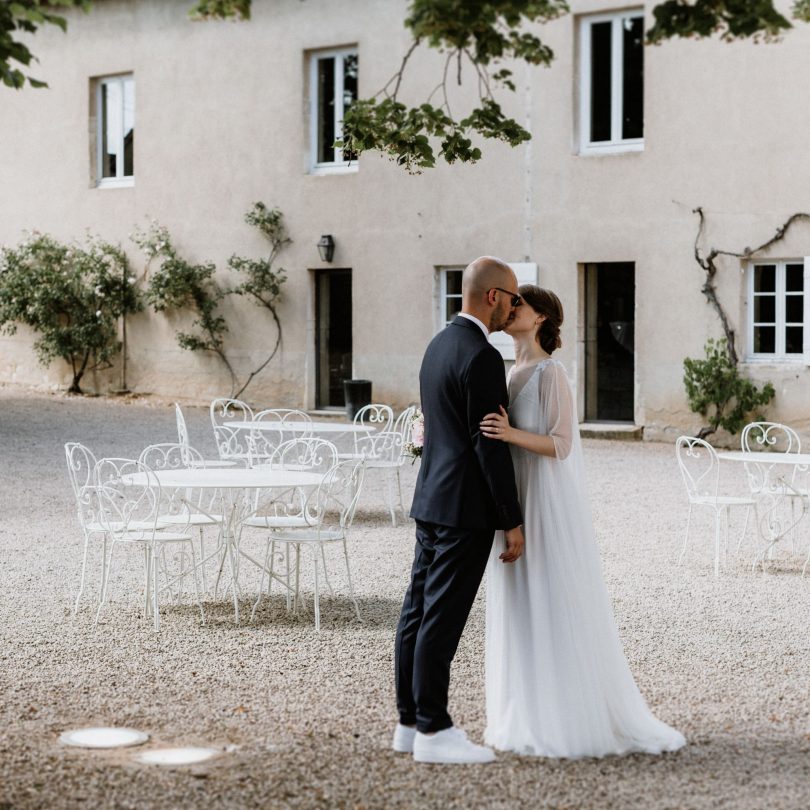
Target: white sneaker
(403, 739)
(449, 746)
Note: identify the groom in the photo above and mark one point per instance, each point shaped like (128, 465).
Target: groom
(464, 492)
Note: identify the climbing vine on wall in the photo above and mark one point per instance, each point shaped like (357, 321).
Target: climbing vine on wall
(179, 284)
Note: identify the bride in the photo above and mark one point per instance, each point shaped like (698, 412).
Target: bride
(557, 682)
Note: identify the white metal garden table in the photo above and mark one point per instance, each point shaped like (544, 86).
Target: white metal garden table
(301, 427)
(772, 480)
(236, 487)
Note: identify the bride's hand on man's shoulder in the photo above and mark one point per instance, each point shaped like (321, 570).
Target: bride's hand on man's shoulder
(496, 425)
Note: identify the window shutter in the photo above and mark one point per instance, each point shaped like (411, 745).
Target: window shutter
(526, 273)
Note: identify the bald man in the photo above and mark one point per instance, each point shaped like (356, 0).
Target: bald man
(464, 492)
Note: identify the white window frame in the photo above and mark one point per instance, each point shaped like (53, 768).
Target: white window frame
(526, 273)
(120, 180)
(616, 143)
(337, 166)
(779, 355)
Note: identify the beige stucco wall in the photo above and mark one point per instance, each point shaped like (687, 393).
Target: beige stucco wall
(222, 121)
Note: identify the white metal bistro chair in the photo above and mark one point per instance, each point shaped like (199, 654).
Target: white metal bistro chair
(292, 424)
(700, 469)
(233, 444)
(293, 509)
(192, 507)
(370, 420)
(81, 463)
(331, 509)
(182, 438)
(773, 437)
(132, 513)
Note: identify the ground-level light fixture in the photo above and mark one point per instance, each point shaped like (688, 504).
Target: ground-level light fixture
(190, 755)
(326, 247)
(103, 737)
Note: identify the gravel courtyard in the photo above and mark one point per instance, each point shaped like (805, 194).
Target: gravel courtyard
(306, 718)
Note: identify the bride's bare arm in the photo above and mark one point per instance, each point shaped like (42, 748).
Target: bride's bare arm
(496, 426)
(555, 398)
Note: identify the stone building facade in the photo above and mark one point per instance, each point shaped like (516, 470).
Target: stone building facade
(627, 141)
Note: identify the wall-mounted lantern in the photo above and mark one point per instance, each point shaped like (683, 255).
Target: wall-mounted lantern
(326, 247)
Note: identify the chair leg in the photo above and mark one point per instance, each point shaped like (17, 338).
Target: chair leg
(196, 584)
(725, 537)
(317, 593)
(261, 581)
(717, 543)
(147, 587)
(349, 578)
(686, 536)
(202, 558)
(106, 563)
(389, 497)
(744, 529)
(155, 609)
(325, 572)
(84, 571)
(287, 560)
(399, 493)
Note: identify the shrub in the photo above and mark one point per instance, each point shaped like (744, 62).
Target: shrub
(71, 295)
(716, 389)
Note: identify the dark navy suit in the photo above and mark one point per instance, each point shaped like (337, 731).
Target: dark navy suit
(464, 492)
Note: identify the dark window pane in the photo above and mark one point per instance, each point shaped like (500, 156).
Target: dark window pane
(764, 339)
(326, 110)
(764, 309)
(765, 278)
(110, 128)
(633, 77)
(794, 339)
(453, 282)
(452, 308)
(794, 309)
(794, 277)
(349, 89)
(600, 81)
(129, 127)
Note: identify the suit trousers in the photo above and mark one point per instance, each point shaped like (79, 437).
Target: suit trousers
(448, 566)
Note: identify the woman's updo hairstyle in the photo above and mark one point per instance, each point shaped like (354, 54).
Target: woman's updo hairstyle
(545, 302)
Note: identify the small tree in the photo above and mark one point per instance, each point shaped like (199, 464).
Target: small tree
(71, 296)
(716, 389)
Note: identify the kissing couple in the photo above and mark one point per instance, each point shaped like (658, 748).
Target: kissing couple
(505, 490)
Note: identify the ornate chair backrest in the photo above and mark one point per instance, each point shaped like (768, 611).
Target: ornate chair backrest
(372, 419)
(170, 457)
(700, 467)
(312, 455)
(290, 423)
(127, 505)
(81, 464)
(182, 433)
(771, 437)
(403, 423)
(232, 443)
(344, 483)
(387, 446)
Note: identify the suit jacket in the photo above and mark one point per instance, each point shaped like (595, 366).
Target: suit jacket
(465, 480)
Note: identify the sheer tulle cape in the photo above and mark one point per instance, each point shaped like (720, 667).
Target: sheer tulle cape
(557, 681)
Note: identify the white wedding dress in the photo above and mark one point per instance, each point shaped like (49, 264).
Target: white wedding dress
(557, 681)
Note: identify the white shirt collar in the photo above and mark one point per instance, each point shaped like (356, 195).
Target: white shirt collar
(475, 321)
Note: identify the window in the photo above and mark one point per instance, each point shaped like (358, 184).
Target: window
(115, 130)
(777, 316)
(612, 82)
(333, 86)
(449, 301)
